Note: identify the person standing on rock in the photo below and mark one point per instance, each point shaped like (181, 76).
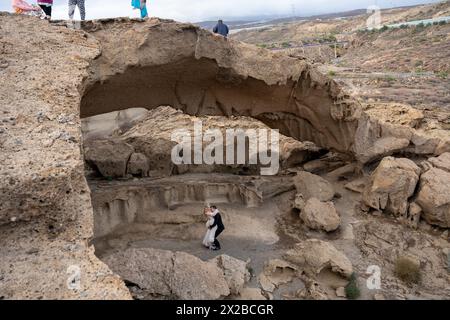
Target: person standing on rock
(221, 28)
(142, 5)
(46, 6)
(81, 7)
(220, 227)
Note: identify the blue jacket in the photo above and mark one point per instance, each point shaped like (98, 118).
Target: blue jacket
(221, 28)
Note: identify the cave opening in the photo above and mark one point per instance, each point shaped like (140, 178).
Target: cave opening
(142, 200)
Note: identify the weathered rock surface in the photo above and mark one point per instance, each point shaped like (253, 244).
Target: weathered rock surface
(42, 187)
(152, 136)
(138, 165)
(384, 243)
(112, 123)
(312, 186)
(315, 255)
(251, 294)
(44, 198)
(279, 272)
(357, 185)
(434, 197)
(110, 157)
(391, 185)
(442, 162)
(320, 215)
(395, 113)
(235, 272)
(194, 279)
(180, 275)
(413, 215)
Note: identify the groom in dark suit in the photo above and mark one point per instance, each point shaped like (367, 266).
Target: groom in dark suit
(220, 227)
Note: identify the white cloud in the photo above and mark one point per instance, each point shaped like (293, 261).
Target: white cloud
(197, 10)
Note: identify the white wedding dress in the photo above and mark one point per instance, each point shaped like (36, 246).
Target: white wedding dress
(210, 235)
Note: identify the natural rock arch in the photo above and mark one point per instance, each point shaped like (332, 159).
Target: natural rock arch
(166, 63)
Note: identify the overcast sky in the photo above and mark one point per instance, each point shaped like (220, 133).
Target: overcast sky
(199, 10)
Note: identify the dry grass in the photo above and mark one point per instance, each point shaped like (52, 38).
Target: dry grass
(408, 271)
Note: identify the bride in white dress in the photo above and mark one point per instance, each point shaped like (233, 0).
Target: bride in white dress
(208, 240)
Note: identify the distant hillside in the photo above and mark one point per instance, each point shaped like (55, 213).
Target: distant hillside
(321, 28)
(259, 21)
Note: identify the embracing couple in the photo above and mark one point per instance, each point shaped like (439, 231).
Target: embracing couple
(214, 227)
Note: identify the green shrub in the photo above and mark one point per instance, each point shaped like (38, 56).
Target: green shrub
(448, 262)
(390, 78)
(408, 271)
(442, 23)
(419, 28)
(404, 26)
(352, 291)
(331, 73)
(443, 74)
(286, 45)
(384, 28)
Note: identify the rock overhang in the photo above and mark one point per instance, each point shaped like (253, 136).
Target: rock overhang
(48, 81)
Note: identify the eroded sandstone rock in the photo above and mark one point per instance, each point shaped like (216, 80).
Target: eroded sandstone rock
(413, 215)
(179, 275)
(310, 185)
(138, 165)
(235, 272)
(195, 279)
(391, 185)
(320, 215)
(442, 162)
(277, 272)
(44, 185)
(251, 294)
(434, 197)
(315, 255)
(153, 137)
(110, 157)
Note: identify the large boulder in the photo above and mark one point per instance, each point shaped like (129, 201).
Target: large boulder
(194, 279)
(276, 272)
(235, 272)
(110, 157)
(310, 185)
(442, 162)
(320, 215)
(180, 275)
(434, 197)
(138, 165)
(315, 255)
(391, 185)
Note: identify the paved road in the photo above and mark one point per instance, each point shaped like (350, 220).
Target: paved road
(417, 22)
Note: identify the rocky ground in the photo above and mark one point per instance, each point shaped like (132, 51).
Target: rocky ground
(91, 206)
(299, 235)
